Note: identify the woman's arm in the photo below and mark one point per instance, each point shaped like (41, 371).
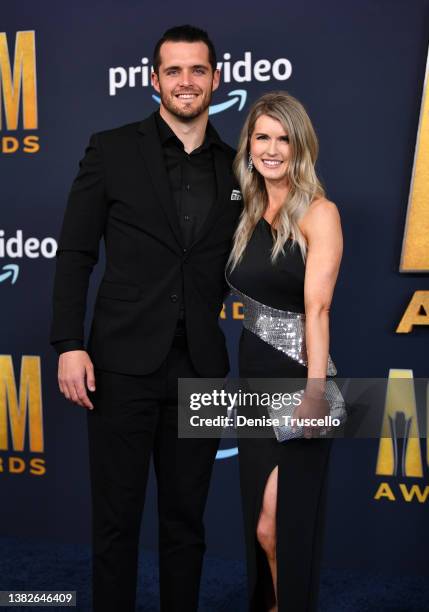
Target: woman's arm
(321, 227)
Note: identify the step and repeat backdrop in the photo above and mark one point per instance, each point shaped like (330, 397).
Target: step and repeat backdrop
(70, 69)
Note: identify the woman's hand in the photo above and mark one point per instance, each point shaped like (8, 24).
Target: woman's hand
(313, 407)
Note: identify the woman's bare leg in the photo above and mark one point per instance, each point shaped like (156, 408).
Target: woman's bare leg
(266, 528)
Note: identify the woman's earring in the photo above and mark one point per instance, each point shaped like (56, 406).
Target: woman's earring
(250, 164)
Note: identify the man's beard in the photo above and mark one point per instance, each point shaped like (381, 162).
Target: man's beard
(182, 112)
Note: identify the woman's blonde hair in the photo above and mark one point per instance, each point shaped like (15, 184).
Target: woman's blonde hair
(304, 185)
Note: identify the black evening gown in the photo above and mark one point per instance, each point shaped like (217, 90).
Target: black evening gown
(302, 463)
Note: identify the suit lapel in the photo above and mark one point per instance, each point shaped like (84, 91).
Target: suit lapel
(151, 150)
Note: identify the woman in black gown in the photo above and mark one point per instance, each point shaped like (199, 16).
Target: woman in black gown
(284, 265)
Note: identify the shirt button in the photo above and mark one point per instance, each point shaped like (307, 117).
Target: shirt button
(185, 250)
(173, 297)
(188, 187)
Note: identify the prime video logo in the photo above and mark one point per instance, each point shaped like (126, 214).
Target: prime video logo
(227, 453)
(18, 247)
(243, 70)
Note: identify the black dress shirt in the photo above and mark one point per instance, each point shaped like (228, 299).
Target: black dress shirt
(192, 181)
(191, 177)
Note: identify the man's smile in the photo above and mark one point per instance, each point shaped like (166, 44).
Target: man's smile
(187, 95)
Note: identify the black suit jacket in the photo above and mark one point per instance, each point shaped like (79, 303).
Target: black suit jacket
(121, 194)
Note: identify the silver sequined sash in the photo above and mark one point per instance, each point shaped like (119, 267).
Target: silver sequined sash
(282, 329)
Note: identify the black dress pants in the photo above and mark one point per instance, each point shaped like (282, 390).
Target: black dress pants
(133, 417)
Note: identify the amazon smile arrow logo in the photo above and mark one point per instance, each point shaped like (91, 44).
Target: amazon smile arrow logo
(226, 453)
(11, 272)
(237, 96)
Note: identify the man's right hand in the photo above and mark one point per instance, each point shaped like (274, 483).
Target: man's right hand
(74, 370)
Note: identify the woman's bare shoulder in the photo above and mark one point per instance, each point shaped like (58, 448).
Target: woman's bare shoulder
(320, 215)
(321, 207)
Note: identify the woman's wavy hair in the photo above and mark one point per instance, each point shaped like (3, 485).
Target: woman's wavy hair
(304, 186)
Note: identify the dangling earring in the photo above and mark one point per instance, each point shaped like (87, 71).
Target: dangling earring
(250, 163)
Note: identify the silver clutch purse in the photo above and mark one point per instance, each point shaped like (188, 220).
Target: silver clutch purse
(287, 430)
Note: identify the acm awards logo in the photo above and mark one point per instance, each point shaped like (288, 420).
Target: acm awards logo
(410, 461)
(21, 418)
(18, 94)
(415, 247)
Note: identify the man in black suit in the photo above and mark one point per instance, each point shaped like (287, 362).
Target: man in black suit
(159, 194)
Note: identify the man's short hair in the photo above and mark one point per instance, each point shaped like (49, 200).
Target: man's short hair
(184, 33)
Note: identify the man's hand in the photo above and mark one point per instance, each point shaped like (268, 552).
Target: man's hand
(73, 368)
